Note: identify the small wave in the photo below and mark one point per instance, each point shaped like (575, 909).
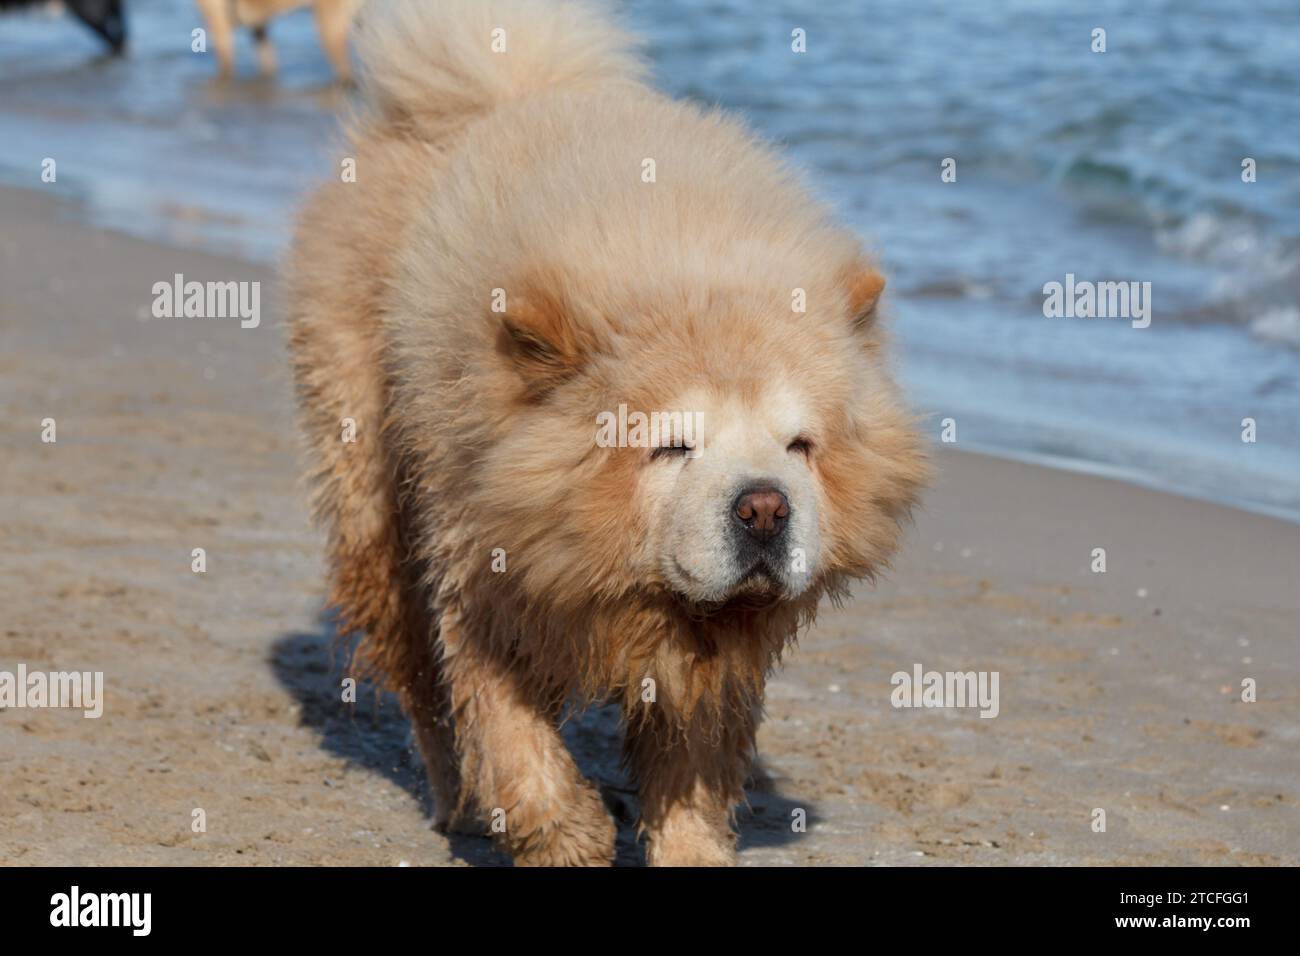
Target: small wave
(1278, 325)
(1219, 240)
(1095, 172)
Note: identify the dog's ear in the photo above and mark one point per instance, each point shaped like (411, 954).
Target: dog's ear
(863, 285)
(540, 339)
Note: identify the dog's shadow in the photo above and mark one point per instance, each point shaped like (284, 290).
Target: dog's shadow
(373, 734)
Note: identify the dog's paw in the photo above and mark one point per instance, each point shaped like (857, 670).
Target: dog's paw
(581, 834)
(678, 853)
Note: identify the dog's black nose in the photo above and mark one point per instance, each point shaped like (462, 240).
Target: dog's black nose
(762, 512)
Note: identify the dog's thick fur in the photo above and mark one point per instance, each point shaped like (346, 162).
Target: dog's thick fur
(519, 176)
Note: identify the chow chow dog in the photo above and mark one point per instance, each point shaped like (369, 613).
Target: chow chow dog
(536, 245)
(333, 18)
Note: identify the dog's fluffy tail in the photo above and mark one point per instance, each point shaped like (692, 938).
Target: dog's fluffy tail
(433, 65)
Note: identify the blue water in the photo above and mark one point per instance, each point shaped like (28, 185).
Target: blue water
(1123, 165)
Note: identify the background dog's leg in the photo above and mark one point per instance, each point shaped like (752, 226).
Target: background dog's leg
(265, 51)
(691, 778)
(333, 18)
(516, 769)
(104, 17)
(221, 32)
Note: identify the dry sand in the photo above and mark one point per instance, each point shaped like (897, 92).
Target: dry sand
(1118, 691)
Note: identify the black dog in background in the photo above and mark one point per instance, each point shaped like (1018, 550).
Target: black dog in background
(103, 16)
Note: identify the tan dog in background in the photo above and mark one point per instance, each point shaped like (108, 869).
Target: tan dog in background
(333, 18)
(537, 241)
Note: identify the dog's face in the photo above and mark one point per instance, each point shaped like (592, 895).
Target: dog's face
(722, 448)
(734, 506)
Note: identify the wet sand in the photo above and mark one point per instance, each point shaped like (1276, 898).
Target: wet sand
(1119, 691)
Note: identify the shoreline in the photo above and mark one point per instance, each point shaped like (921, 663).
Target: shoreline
(1118, 690)
(1130, 473)
(1129, 476)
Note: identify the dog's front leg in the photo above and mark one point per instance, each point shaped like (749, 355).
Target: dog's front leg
(691, 774)
(515, 771)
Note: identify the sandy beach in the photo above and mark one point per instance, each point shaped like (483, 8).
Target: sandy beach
(1119, 691)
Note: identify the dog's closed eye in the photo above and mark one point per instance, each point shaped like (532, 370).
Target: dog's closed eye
(671, 451)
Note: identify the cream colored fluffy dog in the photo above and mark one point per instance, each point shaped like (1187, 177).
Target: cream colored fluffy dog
(536, 245)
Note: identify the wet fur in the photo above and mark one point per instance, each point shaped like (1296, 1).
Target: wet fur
(521, 171)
